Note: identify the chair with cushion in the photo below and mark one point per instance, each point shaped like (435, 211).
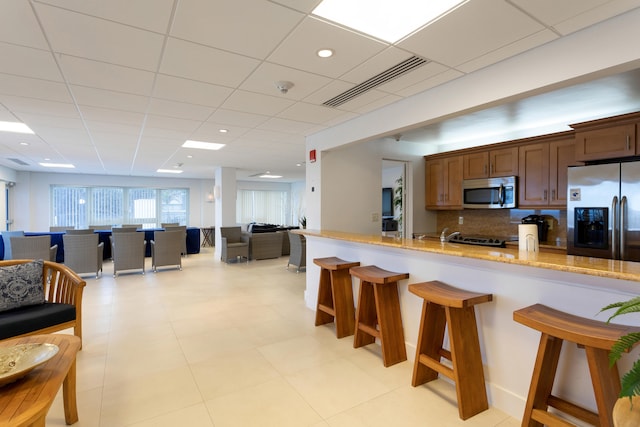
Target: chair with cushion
(127, 251)
(83, 253)
(235, 244)
(6, 237)
(298, 251)
(166, 248)
(33, 247)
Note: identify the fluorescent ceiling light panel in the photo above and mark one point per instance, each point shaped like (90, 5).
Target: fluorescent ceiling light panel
(57, 165)
(169, 171)
(385, 19)
(16, 127)
(270, 176)
(202, 145)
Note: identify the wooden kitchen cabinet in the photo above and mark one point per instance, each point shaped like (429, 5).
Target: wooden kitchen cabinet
(543, 173)
(443, 186)
(492, 163)
(608, 138)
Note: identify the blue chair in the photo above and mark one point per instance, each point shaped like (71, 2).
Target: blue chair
(6, 237)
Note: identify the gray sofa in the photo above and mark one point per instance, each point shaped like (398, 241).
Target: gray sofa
(265, 245)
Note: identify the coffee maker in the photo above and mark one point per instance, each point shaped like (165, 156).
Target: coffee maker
(539, 221)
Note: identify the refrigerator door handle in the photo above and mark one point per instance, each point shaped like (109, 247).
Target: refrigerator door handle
(623, 222)
(616, 228)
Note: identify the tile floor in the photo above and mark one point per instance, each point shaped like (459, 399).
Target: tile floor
(219, 345)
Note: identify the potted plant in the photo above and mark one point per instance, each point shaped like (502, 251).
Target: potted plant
(627, 409)
(303, 221)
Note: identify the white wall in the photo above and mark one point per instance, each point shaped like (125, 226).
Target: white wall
(30, 198)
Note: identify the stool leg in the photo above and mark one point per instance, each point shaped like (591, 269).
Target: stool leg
(606, 383)
(467, 361)
(343, 303)
(325, 298)
(365, 315)
(430, 339)
(544, 372)
(390, 323)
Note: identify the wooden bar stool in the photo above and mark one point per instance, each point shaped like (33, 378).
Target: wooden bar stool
(445, 305)
(379, 304)
(597, 338)
(335, 295)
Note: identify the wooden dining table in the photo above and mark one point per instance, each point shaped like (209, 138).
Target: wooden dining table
(26, 401)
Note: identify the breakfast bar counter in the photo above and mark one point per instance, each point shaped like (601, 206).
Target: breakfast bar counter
(574, 284)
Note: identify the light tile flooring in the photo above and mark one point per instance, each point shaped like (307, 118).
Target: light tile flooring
(219, 345)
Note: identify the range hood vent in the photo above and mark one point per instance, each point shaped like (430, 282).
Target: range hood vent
(19, 162)
(386, 76)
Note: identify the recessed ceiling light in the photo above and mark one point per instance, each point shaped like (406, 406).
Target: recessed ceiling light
(202, 145)
(189, 156)
(16, 127)
(387, 20)
(223, 130)
(57, 165)
(268, 175)
(24, 143)
(169, 170)
(325, 53)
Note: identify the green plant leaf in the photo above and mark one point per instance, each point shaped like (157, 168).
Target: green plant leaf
(631, 381)
(623, 345)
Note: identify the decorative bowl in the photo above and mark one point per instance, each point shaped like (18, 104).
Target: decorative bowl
(18, 360)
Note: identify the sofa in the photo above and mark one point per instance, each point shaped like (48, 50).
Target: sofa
(39, 297)
(258, 228)
(265, 245)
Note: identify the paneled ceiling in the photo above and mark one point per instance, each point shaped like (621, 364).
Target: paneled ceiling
(115, 87)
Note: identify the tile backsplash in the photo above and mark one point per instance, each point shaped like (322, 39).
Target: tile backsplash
(501, 222)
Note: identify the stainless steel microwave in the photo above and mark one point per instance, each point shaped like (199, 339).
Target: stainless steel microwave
(490, 193)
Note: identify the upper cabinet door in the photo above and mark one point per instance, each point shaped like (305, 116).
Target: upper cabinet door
(562, 154)
(491, 164)
(475, 165)
(606, 143)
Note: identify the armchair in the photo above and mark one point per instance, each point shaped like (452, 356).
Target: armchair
(265, 245)
(83, 253)
(182, 229)
(235, 244)
(6, 237)
(127, 250)
(298, 253)
(33, 247)
(166, 248)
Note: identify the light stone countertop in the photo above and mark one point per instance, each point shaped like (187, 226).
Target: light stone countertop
(612, 269)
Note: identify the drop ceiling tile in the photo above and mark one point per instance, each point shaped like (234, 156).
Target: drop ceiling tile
(205, 64)
(264, 78)
(163, 122)
(430, 83)
(190, 91)
(287, 126)
(38, 106)
(595, 15)
(379, 103)
(386, 59)
(98, 114)
(553, 12)
(18, 25)
(305, 6)
(176, 134)
(100, 126)
(512, 49)
(417, 75)
(115, 140)
(148, 14)
(88, 37)
(472, 30)
(365, 98)
(256, 103)
(34, 88)
(47, 120)
(299, 49)
(28, 62)
(210, 131)
(99, 75)
(263, 136)
(57, 135)
(180, 110)
(237, 118)
(335, 88)
(309, 113)
(234, 25)
(109, 99)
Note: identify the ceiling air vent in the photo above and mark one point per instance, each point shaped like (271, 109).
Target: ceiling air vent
(20, 162)
(396, 71)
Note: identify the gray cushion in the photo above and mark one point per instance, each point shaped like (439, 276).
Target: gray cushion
(21, 285)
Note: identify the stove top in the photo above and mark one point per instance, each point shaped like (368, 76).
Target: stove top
(478, 240)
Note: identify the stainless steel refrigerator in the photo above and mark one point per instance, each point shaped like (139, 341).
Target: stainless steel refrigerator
(603, 211)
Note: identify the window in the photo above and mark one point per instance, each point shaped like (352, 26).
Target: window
(265, 206)
(83, 206)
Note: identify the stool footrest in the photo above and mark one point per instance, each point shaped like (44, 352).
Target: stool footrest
(369, 330)
(550, 420)
(327, 309)
(437, 366)
(573, 409)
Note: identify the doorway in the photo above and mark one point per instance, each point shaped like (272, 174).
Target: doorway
(394, 177)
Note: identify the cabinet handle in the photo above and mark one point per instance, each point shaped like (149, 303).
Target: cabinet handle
(485, 169)
(628, 143)
(491, 167)
(545, 194)
(553, 194)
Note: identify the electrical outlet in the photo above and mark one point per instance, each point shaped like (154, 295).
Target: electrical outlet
(460, 220)
(375, 217)
(549, 223)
